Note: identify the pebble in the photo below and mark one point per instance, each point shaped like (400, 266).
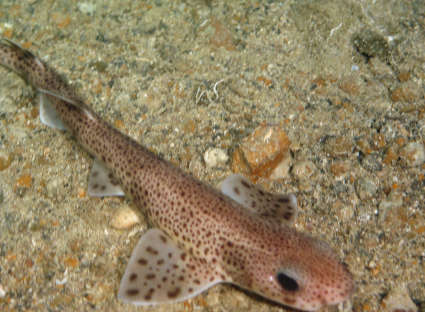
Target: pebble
(413, 154)
(340, 168)
(371, 44)
(364, 213)
(52, 186)
(87, 8)
(388, 208)
(215, 157)
(408, 92)
(5, 160)
(303, 170)
(372, 163)
(344, 212)
(338, 146)
(398, 300)
(365, 188)
(124, 219)
(2, 292)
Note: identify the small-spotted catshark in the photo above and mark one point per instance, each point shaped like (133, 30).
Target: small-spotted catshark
(201, 237)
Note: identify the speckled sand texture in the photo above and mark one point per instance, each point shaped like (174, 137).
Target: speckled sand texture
(343, 79)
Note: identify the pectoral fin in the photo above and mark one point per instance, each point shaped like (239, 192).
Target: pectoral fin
(257, 200)
(161, 272)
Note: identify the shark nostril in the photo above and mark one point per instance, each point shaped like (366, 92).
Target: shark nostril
(287, 282)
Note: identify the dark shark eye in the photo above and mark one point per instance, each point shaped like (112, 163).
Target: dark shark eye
(287, 282)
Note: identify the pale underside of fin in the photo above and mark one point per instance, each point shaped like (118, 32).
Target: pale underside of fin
(254, 198)
(161, 272)
(48, 114)
(102, 182)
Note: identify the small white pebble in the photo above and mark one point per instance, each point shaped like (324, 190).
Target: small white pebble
(2, 292)
(124, 218)
(215, 157)
(87, 8)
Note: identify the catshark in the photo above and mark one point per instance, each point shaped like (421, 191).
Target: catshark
(200, 236)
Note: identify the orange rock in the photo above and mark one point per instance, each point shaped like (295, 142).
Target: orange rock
(263, 150)
(338, 168)
(402, 94)
(71, 262)
(25, 180)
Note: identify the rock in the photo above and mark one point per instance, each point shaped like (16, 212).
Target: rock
(371, 44)
(340, 168)
(87, 8)
(390, 209)
(338, 146)
(372, 163)
(365, 188)
(413, 154)
(124, 218)
(215, 157)
(303, 170)
(262, 151)
(364, 213)
(53, 185)
(398, 300)
(408, 92)
(5, 160)
(343, 211)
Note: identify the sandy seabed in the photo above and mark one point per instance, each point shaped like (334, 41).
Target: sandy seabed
(344, 80)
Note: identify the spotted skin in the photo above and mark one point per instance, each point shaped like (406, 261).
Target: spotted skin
(223, 239)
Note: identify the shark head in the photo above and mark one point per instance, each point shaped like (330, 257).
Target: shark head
(306, 276)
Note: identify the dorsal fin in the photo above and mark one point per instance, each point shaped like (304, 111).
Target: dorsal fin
(254, 198)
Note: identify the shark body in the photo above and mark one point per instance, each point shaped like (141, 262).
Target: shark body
(200, 236)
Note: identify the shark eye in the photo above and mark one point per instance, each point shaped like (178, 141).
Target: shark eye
(287, 282)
